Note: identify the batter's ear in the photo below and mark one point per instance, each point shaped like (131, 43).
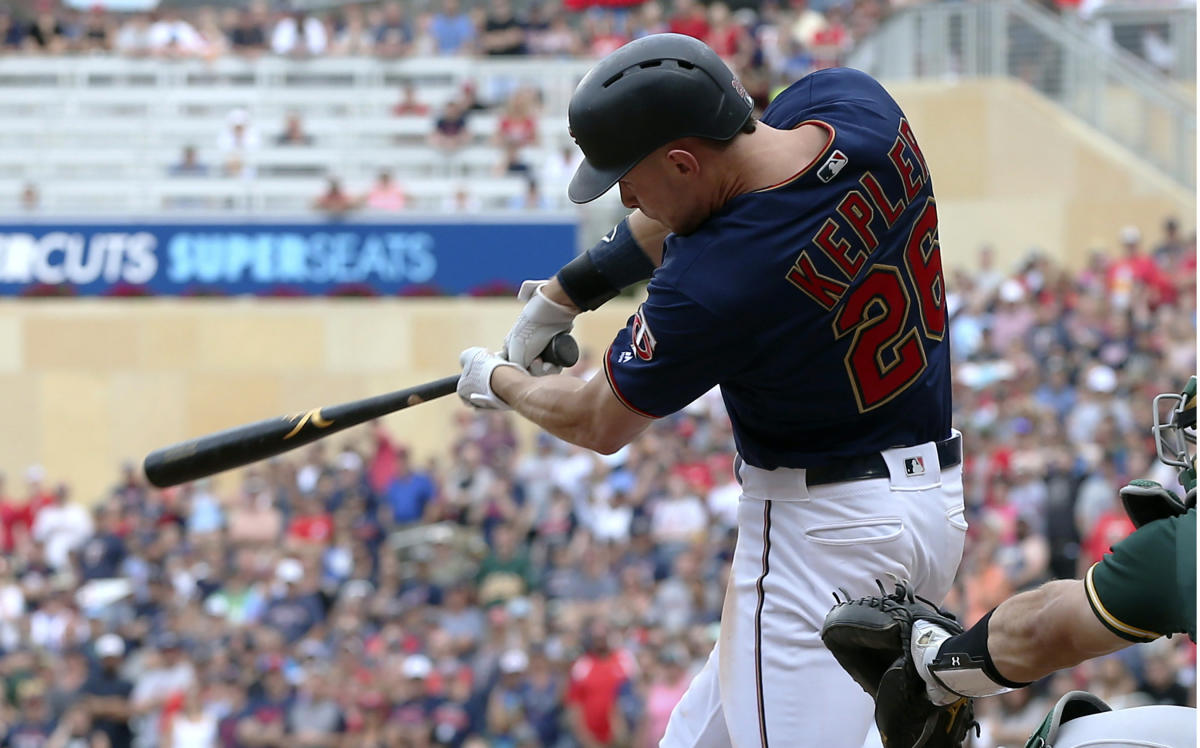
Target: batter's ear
(683, 162)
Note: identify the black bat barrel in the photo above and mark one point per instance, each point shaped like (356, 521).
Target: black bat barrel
(242, 445)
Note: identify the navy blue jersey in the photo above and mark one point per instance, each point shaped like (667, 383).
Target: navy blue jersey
(816, 304)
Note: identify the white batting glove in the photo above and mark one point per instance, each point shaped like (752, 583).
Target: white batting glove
(475, 383)
(539, 321)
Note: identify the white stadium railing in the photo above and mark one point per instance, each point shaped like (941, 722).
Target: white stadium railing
(99, 135)
(1107, 87)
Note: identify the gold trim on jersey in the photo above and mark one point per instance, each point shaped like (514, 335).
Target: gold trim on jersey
(1107, 618)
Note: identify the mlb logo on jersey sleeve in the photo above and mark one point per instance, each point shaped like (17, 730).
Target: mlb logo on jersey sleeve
(834, 164)
(642, 340)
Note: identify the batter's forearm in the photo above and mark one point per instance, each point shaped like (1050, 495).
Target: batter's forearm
(1050, 628)
(554, 291)
(555, 403)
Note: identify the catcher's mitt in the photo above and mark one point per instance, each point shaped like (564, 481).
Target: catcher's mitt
(870, 637)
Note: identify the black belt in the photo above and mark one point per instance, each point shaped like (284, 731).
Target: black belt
(844, 469)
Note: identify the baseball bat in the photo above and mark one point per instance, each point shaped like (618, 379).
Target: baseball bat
(241, 445)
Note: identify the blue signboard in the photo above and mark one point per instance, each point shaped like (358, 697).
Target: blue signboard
(278, 259)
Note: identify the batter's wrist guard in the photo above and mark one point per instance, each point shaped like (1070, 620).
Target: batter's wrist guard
(600, 273)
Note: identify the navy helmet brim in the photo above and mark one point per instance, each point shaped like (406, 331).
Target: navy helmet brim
(590, 182)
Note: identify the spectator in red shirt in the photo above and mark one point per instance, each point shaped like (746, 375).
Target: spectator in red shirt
(832, 41)
(1112, 527)
(602, 37)
(518, 125)
(1133, 269)
(595, 683)
(311, 525)
(689, 18)
(335, 202)
(383, 465)
(724, 36)
(13, 517)
(409, 105)
(37, 497)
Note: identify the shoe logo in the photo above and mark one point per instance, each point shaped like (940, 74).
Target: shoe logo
(914, 466)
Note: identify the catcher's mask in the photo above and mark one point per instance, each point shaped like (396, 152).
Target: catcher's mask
(1175, 432)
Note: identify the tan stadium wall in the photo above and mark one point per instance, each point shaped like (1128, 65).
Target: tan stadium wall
(86, 384)
(1015, 170)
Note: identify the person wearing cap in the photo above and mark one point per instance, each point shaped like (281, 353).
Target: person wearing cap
(295, 608)
(505, 711)
(413, 715)
(106, 694)
(793, 261)
(542, 697)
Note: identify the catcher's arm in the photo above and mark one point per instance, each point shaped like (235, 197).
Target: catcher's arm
(1035, 633)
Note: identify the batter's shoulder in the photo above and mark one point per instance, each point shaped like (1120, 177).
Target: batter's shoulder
(817, 91)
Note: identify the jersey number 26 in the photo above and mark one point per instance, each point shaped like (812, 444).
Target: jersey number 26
(887, 352)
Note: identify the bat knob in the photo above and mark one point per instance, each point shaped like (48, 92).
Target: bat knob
(562, 350)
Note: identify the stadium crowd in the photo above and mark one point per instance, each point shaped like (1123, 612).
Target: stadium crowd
(757, 33)
(509, 594)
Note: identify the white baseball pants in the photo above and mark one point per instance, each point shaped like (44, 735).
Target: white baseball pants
(769, 681)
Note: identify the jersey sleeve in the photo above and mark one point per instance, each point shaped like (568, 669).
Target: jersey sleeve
(671, 352)
(1134, 590)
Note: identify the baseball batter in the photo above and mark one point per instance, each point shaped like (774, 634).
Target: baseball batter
(795, 263)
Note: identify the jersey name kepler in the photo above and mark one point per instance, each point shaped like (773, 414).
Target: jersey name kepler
(887, 345)
(846, 237)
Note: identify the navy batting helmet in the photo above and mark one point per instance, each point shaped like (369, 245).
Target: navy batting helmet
(644, 95)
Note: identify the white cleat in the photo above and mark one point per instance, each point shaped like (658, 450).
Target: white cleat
(927, 640)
